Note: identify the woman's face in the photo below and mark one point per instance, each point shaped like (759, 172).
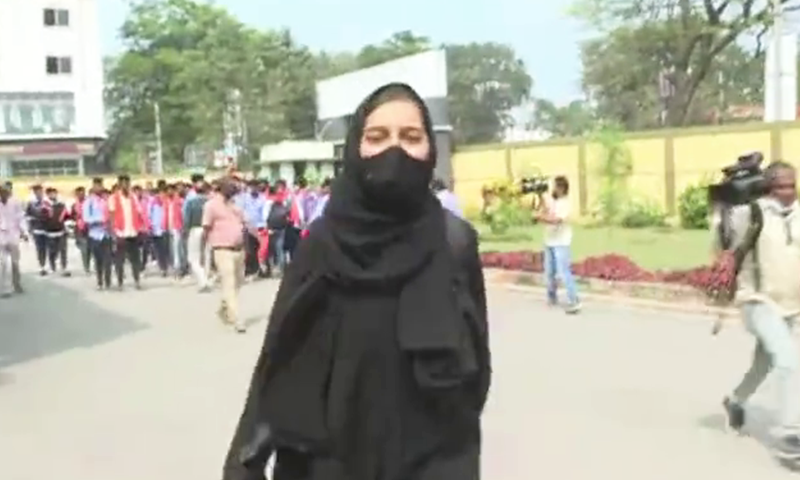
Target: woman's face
(397, 123)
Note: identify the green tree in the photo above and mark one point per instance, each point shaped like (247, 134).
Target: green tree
(485, 81)
(572, 120)
(401, 44)
(210, 75)
(691, 44)
(331, 64)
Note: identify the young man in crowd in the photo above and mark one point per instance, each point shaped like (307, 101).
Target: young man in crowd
(95, 216)
(198, 181)
(198, 254)
(174, 216)
(322, 200)
(278, 220)
(55, 217)
(126, 223)
(254, 208)
(81, 238)
(159, 236)
(35, 214)
(12, 230)
(223, 229)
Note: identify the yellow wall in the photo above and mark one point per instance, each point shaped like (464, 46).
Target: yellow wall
(664, 162)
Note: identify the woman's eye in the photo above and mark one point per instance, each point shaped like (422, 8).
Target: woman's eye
(374, 136)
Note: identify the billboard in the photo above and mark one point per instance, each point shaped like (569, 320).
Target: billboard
(425, 72)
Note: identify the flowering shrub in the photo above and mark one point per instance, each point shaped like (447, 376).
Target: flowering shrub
(715, 280)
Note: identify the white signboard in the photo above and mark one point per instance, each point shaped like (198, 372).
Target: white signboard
(425, 72)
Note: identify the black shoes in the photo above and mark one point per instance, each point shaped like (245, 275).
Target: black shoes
(735, 414)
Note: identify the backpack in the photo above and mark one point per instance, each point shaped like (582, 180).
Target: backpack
(749, 244)
(727, 267)
(278, 218)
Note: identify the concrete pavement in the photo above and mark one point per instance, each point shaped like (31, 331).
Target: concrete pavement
(148, 386)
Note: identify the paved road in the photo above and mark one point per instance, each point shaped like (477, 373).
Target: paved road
(147, 386)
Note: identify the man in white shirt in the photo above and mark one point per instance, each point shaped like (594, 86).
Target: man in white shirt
(12, 230)
(768, 295)
(555, 214)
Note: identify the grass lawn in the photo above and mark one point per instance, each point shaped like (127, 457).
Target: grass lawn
(663, 248)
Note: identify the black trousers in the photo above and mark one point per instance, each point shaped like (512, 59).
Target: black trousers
(251, 244)
(160, 248)
(127, 248)
(291, 239)
(82, 242)
(57, 251)
(101, 252)
(148, 250)
(40, 242)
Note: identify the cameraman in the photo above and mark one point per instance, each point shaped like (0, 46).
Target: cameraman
(555, 214)
(768, 294)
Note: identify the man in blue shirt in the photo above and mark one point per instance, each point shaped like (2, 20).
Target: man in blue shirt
(197, 183)
(322, 201)
(157, 215)
(254, 205)
(95, 215)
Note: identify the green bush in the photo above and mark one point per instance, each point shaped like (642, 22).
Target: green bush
(643, 214)
(693, 207)
(507, 214)
(616, 167)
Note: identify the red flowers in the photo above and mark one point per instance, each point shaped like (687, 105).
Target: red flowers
(714, 280)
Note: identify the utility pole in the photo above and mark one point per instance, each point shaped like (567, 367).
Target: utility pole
(777, 29)
(159, 149)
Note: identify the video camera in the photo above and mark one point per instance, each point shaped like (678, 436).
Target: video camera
(536, 185)
(743, 182)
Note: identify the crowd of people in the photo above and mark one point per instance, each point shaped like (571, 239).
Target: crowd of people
(155, 226)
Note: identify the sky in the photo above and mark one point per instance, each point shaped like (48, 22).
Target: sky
(542, 35)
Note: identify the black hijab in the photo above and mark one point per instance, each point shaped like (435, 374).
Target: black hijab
(383, 219)
(386, 229)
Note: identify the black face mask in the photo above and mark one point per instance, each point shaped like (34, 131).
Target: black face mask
(393, 180)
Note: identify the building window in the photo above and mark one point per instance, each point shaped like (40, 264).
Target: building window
(45, 168)
(338, 151)
(56, 17)
(58, 65)
(36, 113)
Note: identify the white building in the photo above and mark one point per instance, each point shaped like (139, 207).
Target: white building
(51, 87)
(292, 159)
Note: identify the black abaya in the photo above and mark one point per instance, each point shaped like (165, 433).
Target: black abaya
(376, 361)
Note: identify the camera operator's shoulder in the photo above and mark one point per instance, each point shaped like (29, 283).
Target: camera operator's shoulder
(461, 235)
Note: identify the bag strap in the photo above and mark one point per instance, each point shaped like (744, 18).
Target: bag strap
(750, 244)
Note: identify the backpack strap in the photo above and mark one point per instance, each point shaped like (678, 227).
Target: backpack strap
(750, 244)
(454, 240)
(754, 231)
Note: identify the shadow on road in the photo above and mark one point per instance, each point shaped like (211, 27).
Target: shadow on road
(50, 318)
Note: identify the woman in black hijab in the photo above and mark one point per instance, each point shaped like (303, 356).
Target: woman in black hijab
(375, 365)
